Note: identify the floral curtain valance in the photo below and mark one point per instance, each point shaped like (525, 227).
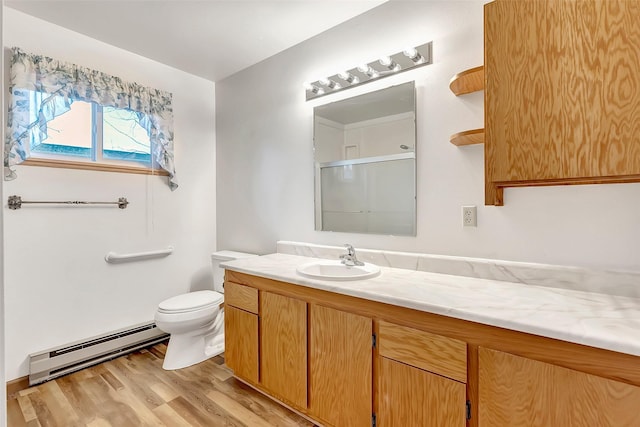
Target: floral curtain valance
(58, 84)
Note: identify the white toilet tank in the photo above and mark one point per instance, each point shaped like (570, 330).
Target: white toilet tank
(218, 272)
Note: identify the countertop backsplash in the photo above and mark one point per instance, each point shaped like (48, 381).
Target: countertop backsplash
(621, 283)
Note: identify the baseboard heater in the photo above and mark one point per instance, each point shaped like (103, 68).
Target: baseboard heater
(55, 362)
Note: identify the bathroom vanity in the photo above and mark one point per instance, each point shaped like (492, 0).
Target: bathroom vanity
(414, 348)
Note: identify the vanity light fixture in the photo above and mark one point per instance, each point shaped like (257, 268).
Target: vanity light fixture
(406, 60)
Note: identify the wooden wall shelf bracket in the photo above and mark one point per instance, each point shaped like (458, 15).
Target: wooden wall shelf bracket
(468, 137)
(471, 80)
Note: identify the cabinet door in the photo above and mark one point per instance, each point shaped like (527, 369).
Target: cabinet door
(241, 343)
(409, 396)
(602, 96)
(283, 342)
(516, 391)
(340, 365)
(523, 94)
(562, 93)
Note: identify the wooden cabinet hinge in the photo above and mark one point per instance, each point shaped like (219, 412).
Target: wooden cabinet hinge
(468, 409)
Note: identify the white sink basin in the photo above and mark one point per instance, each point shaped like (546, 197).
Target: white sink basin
(335, 270)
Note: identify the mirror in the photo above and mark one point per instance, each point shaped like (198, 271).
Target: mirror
(365, 163)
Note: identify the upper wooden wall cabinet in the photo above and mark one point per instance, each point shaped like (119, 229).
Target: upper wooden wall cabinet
(562, 95)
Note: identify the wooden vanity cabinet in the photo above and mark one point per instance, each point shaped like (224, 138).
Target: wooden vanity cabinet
(517, 391)
(421, 378)
(241, 331)
(312, 350)
(283, 347)
(332, 383)
(266, 341)
(562, 94)
(241, 353)
(340, 364)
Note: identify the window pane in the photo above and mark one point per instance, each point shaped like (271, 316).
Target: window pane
(123, 138)
(68, 134)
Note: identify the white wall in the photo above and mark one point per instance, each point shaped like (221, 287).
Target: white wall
(58, 286)
(3, 390)
(265, 157)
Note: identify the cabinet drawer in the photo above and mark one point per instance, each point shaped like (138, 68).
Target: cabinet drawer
(435, 353)
(241, 296)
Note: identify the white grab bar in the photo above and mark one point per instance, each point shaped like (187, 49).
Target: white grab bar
(115, 258)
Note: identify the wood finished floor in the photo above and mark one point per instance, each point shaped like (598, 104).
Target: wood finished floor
(134, 390)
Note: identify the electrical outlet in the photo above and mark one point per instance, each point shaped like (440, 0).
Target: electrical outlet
(469, 216)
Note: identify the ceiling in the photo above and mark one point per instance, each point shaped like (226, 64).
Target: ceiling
(209, 38)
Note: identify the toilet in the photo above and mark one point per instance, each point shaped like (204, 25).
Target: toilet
(195, 320)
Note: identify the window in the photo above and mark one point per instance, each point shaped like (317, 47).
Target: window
(88, 132)
(110, 124)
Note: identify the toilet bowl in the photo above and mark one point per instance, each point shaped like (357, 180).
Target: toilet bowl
(195, 320)
(191, 321)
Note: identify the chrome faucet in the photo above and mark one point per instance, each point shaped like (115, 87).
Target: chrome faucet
(350, 258)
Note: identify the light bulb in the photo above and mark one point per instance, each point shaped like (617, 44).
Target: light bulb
(413, 54)
(348, 77)
(329, 83)
(312, 88)
(386, 61)
(366, 69)
(389, 63)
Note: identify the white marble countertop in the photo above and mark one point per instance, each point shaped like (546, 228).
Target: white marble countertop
(599, 320)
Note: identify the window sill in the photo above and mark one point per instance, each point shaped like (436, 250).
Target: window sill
(93, 166)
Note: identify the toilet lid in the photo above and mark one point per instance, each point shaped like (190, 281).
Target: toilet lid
(190, 301)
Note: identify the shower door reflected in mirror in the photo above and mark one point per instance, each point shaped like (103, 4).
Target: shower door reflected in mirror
(365, 163)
